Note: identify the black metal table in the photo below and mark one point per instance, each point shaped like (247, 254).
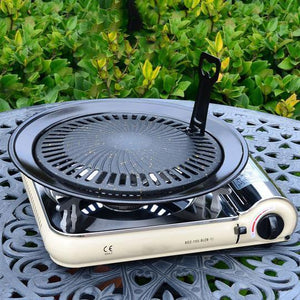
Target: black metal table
(26, 271)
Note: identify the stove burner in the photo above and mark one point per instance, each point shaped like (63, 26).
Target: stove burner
(98, 210)
(72, 215)
(128, 154)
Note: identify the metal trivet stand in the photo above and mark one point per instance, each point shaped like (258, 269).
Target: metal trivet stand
(26, 271)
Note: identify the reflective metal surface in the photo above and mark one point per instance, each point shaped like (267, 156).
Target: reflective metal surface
(93, 217)
(251, 186)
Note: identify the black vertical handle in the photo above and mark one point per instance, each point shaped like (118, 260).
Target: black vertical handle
(199, 116)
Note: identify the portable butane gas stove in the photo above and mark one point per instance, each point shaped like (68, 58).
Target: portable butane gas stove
(118, 180)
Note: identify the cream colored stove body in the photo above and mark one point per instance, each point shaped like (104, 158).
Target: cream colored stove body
(78, 250)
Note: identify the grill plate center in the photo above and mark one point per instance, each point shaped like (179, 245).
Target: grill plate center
(129, 141)
(127, 144)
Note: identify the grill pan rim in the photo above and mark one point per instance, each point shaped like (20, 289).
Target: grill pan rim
(215, 127)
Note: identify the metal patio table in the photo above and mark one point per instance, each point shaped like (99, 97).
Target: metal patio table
(26, 271)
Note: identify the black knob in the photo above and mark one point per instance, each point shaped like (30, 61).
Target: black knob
(270, 226)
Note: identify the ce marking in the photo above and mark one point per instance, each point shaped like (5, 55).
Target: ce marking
(108, 249)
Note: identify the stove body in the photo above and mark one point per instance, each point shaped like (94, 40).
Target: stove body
(247, 211)
(126, 179)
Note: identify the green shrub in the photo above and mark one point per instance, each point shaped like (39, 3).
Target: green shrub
(79, 49)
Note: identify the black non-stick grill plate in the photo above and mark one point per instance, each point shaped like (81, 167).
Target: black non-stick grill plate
(127, 151)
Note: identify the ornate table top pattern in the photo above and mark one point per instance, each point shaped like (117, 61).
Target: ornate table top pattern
(26, 271)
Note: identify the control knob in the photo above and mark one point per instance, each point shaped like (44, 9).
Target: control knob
(270, 226)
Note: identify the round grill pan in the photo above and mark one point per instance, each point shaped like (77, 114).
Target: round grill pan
(126, 151)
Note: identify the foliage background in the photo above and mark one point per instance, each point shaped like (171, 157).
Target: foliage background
(56, 50)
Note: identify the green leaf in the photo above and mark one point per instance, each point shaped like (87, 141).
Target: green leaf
(294, 50)
(23, 102)
(51, 96)
(184, 40)
(147, 69)
(219, 42)
(256, 97)
(155, 73)
(243, 101)
(265, 89)
(270, 106)
(72, 22)
(4, 8)
(58, 64)
(253, 107)
(188, 3)
(195, 3)
(293, 85)
(233, 93)
(285, 42)
(279, 54)
(246, 67)
(237, 51)
(176, 57)
(152, 93)
(179, 91)
(45, 66)
(296, 33)
(273, 2)
(78, 94)
(237, 63)
(125, 92)
(49, 82)
(258, 80)
(283, 29)
(272, 24)
(184, 85)
(33, 77)
(176, 24)
(249, 83)
(87, 65)
(259, 66)
(286, 64)
(169, 83)
(277, 92)
(288, 78)
(112, 36)
(9, 80)
(4, 105)
(3, 27)
(18, 38)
